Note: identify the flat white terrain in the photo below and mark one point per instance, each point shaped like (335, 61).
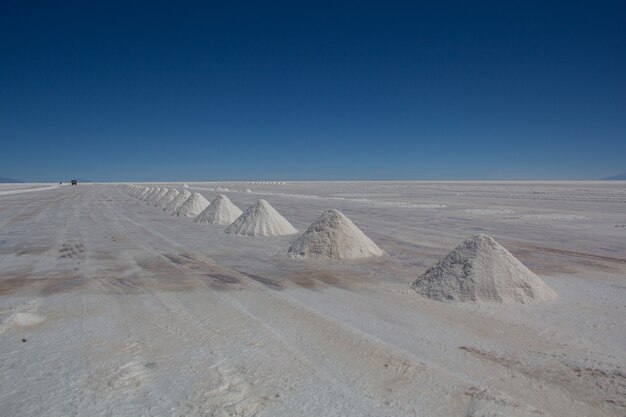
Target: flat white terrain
(111, 307)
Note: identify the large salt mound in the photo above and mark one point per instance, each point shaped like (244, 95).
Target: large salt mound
(334, 236)
(481, 270)
(157, 196)
(261, 219)
(193, 206)
(221, 211)
(167, 198)
(178, 201)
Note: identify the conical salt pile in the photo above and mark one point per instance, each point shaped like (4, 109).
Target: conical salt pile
(334, 236)
(143, 192)
(193, 206)
(157, 196)
(221, 211)
(481, 270)
(261, 219)
(178, 201)
(152, 192)
(167, 198)
(247, 190)
(185, 185)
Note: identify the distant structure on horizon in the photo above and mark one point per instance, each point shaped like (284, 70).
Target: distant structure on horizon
(620, 177)
(4, 180)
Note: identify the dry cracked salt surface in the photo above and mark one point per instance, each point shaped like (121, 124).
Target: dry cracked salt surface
(109, 306)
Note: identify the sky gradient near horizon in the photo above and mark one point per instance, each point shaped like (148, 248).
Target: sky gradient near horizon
(158, 91)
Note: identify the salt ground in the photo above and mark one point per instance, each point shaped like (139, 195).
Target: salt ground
(127, 310)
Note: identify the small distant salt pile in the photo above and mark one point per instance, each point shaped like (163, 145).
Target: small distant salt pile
(157, 196)
(185, 185)
(143, 192)
(175, 204)
(193, 206)
(167, 198)
(481, 270)
(221, 211)
(334, 236)
(261, 219)
(152, 192)
(142, 195)
(247, 190)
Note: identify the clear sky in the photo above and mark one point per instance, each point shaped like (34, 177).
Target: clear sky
(312, 90)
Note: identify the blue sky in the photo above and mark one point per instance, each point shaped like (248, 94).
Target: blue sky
(297, 90)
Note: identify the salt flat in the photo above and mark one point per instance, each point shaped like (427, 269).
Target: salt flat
(127, 310)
